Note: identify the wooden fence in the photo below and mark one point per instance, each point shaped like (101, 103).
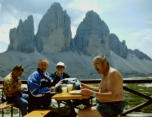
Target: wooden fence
(126, 81)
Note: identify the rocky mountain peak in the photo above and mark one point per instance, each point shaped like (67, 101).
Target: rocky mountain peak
(94, 19)
(56, 7)
(20, 22)
(22, 37)
(54, 36)
(120, 48)
(54, 31)
(92, 14)
(92, 36)
(139, 54)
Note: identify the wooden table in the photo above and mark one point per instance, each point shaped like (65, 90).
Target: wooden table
(1, 87)
(37, 113)
(68, 99)
(68, 96)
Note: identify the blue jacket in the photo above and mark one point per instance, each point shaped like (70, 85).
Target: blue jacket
(34, 82)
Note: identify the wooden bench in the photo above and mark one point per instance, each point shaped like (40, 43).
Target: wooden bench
(4, 106)
(38, 113)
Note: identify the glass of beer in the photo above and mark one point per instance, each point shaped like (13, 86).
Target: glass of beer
(64, 90)
(70, 87)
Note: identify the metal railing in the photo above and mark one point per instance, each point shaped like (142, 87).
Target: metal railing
(126, 81)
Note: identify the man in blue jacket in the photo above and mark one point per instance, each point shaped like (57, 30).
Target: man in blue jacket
(40, 96)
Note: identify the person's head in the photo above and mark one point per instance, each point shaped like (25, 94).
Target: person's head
(17, 71)
(101, 64)
(60, 66)
(43, 65)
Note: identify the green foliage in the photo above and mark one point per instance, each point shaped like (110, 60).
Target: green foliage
(8, 111)
(133, 100)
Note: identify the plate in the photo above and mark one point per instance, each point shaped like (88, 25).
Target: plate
(75, 92)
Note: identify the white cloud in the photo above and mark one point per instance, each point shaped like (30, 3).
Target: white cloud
(149, 22)
(77, 10)
(0, 6)
(3, 46)
(141, 40)
(8, 21)
(85, 5)
(4, 32)
(37, 17)
(73, 30)
(110, 11)
(141, 36)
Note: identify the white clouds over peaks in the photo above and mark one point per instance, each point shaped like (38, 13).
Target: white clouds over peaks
(130, 20)
(0, 6)
(5, 27)
(73, 30)
(85, 5)
(8, 21)
(141, 40)
(77, 10)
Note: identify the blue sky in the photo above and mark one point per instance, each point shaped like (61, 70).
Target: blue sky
(130, 20)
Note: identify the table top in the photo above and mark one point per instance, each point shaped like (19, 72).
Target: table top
(37, 113)
(67, 96)
(1, 87)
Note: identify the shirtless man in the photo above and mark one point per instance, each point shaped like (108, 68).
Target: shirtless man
(109, 95)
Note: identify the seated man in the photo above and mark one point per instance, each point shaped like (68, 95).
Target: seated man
(40, 96)
(109, 95)
(13, 90)
(59, 74)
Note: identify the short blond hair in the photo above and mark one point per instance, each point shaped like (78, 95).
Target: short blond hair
(43, 60)
(102, 58)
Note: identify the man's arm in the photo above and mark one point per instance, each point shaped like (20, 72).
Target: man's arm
(34, 85)
(114, 89)
(85, 86)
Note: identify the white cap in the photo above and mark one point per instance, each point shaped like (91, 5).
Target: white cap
(60, 64)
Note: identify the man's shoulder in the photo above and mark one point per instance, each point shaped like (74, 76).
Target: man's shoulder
(66, 75)
(115, 73)
(8, 77)
(34, 74)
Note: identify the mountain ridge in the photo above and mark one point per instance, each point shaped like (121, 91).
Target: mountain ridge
(53, 41)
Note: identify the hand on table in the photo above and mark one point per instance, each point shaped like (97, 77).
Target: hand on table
(86, 92)
(52, 89)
